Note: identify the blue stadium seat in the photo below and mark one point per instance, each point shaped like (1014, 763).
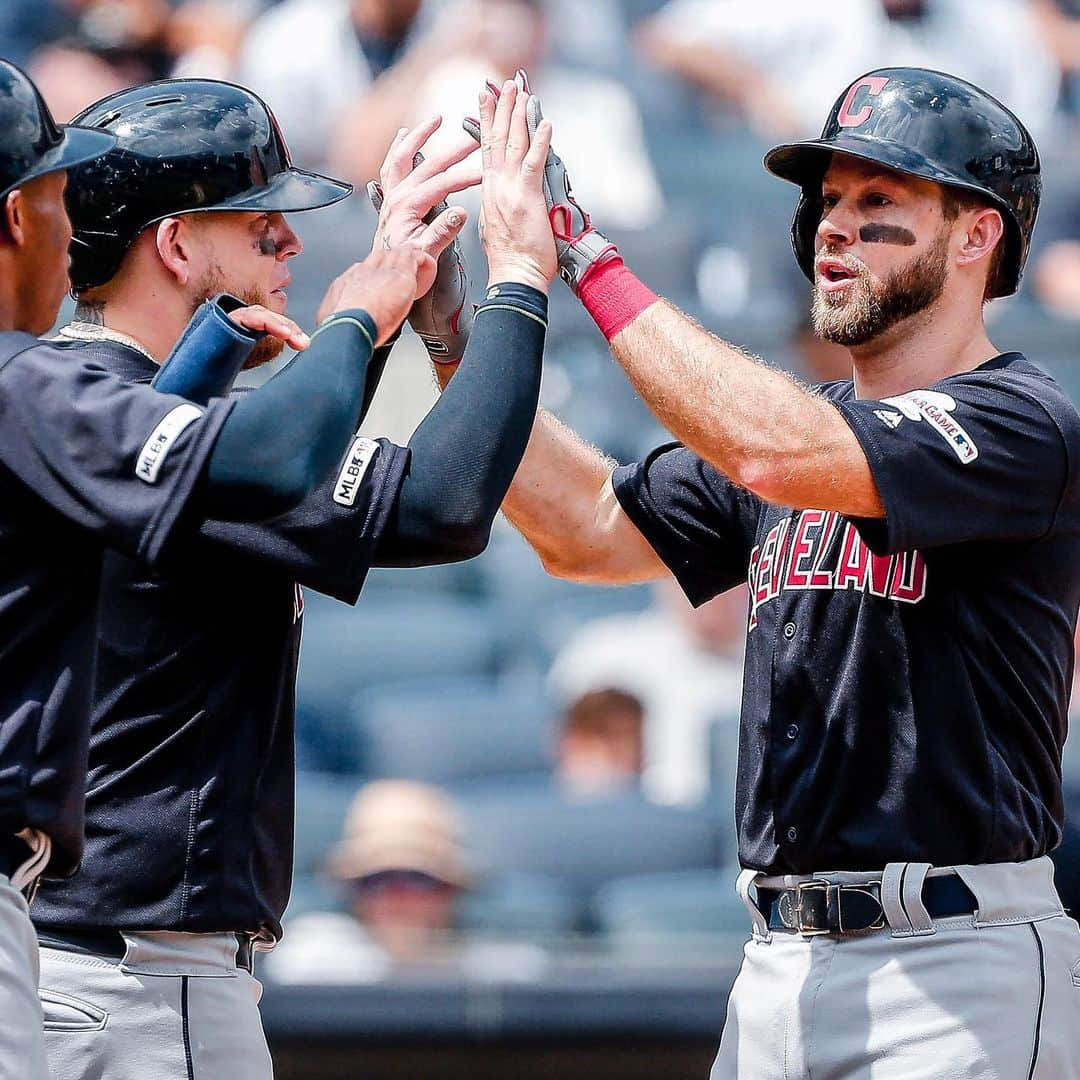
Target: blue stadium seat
(1070, 762)
(529, 599)
(645, 908)
(385, 639)
(446, 731)
(458, 579)
(520, 906)
(585, 843)
(322, 801)
(314, 892)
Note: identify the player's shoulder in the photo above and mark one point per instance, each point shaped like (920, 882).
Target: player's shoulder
(14, 343)
(25, 354)
(1014, 375)
(836, 390)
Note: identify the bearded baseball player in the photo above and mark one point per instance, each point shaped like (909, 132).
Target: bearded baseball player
(911, 542)
(87, 460)
(147, 952)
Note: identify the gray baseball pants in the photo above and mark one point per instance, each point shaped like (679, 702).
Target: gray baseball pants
(22, 1052)
(176, 1007)
(989, 996)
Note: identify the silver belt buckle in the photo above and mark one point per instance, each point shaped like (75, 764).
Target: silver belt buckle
(800, 888)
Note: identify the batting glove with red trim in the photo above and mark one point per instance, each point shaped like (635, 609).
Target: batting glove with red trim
(579, 246)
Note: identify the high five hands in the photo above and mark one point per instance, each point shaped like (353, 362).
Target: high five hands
(580, 248)
(514, 226)
(410, 194)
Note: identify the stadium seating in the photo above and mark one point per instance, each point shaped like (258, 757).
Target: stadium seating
(398, 637)
(534, 829)
(447, 731)
(648, 908)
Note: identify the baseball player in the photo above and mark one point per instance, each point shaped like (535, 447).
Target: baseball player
(147, 953)
(912, 543)
(87, 460)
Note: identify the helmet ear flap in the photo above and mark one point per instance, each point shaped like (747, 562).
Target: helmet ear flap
(803, 230)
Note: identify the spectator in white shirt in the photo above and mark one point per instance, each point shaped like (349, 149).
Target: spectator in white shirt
(685, 666)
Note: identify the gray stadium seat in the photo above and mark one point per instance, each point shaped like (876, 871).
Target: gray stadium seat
(529, 599)
(645, 908)
(447, 731)
(313, 892)
(520, 906)
(585, 843)
(322, 801)
(385, 639)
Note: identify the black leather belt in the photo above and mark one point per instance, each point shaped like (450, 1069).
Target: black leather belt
(98, 941)
(13, 853)
(818, 907)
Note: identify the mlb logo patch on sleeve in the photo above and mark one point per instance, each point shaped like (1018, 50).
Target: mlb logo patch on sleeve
(936, 409)
(162, 439)
(357, 462)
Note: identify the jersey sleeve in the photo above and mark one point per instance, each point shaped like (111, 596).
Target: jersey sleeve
(700, 524)
(327, 543)
(986, 456)
(118, 459)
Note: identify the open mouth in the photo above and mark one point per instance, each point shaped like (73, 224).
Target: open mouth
(833, 275)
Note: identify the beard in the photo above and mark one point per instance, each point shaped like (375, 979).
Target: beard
(266, 348)
(865, 309)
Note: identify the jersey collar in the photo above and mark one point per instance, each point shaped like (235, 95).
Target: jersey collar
(83, 331)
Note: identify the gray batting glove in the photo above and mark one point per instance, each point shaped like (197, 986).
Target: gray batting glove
(442, 317)
(579, 246)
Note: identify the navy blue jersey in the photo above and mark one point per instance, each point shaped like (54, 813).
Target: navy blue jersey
(189, 820)
(84, 459)
(906, 684)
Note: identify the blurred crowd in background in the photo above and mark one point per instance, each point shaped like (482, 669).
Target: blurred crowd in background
(492, 760)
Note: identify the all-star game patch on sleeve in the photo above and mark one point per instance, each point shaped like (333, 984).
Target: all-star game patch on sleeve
(327, 543)
(700, 524)
(943, 457)
(119, 460)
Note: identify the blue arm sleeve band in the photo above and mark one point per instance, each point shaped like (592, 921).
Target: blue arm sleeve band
(279, 441)
(209, 355)
(467, 449)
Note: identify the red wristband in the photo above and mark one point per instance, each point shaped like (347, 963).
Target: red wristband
(614, 296)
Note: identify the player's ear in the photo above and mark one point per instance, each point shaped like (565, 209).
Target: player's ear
(984, 230)
(173, 243)
(13, 220)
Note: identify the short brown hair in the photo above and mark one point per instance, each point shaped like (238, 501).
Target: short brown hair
(955, 200)
(606, 713)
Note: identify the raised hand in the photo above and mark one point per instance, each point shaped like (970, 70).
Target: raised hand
(580, 247)
(514, 227)
(384, 285)
(410, 187)
(442, 317)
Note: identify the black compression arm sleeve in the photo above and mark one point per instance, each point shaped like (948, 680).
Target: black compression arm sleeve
(279, 441)
(374, 376)
(467, 449)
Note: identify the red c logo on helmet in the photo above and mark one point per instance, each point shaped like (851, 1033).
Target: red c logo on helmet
(873, 85)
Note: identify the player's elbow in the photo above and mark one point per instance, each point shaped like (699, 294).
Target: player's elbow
(579, 564)
(558, 565)
(462, 536)
(467, 543)
(765, 477)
